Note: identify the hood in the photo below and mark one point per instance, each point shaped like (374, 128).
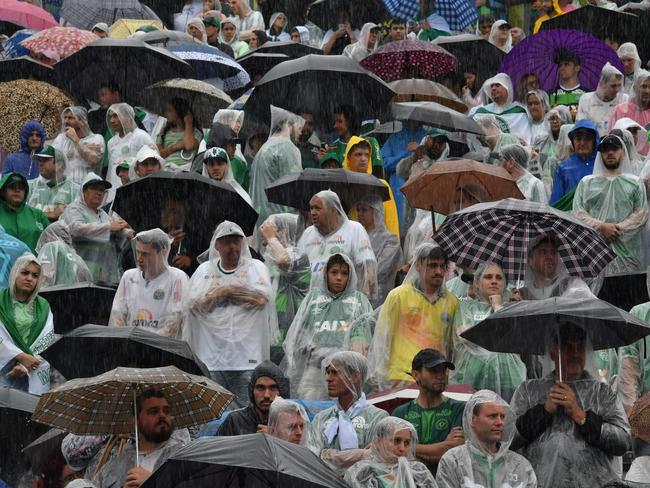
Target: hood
(624, 167)
(589, 125)
(270, 370)
(21, 263)
(354, 140)
(502, 79)
(487, 396)
(608, 73)
(29, 127)
(274, 17)
(125, 114)
(304, 34)
(89, 177)
(352, 278)
(628, 49)
(235, 38)
(12, 175)
(639, 78)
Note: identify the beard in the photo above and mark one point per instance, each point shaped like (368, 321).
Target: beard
(158, 436)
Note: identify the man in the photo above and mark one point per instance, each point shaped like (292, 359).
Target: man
(246, 19)
(288, 421)
(570, 90)
(437, 419)
(613, 201)
(598, 106)
(308, 142)
(231, 318)
(52, 191)
(629, 56)
(637, 107)
(32, 140)
(223, 136)
(634, 367)
(332, 232)
(397, 31)
(151, 295)
(300, 35)
(217, 165)
(100, 29)
(551, 9)
(212, 27)
(584, 139)
(340, 434)
(514, 159)
(157, 441)
(485, 459)
(267, 383)
(147, 161)
(417, 314)
(434, 148)
(573, 425)
(107, 95)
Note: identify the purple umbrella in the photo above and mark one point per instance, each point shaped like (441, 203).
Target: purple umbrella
(536, 54)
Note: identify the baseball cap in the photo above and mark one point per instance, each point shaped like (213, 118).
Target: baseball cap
(97, 181)
(227, 228)
(610, 140)
(214, 21)
(215, 153)
(147, 152)
(505, 26)
(434, 132)
(330, 156)
(46, 153)
(430, 358)
(102, 26)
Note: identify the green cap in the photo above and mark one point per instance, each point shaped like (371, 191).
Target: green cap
(434, 132)
(215, 153)
(123, 165)
(330, 155)
(214, 21)
(16, 178)
(147, 28)
(46, 153)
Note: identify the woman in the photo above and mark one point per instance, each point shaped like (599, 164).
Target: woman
(229, 35)
(366, 45)
(475, 366)
(196, 29)
(500, 36)
(258, 38)
(526, 83)
(538, 106)
(392, 462)
(179, 140)
(472, 89)
(61, 265)
(278, 26)
(548, 145)
(26, 329)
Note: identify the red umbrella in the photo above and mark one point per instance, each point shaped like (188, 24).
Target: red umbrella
(26, 15)
(63, 41)
(409, 59)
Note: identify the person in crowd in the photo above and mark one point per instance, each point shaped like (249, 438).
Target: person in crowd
(107, 95)
(484, 25)
(432, 24)
(629, 56)
(436, 418)
(52, 191)
(32, 140)
(266, 385)
(224, 136)
(196, 29)
(515, 159)
(341, 34)
(26, 329)
(392, 462)
(637, 107)
(245, 18)
(569, 89)
(229, 35)
(500, 35)
(300, 35)
(216, 166)
(277, 28)
(417, 314)
(434, 148)
(470, 90)
(396, 31)
(517, 34)
(340, 434)
(10, 250)
(493, 139)
(547, 146)
(179, 139)
(528, 82)
(598, 106)
(231, 320)
(366, 45)
(550, 9)
(323, 325)
(212, 26)
(16, 216)
(538, 107)
(639, 136)
(100, 29)
(60, 263)
(308, 142)
(151, 295)
(184, 249)
(288, 421)
(485, 459)
(189, 10)
(146, 162)
(572, 424)
(258, 38)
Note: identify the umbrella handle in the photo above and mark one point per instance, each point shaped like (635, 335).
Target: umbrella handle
(137, 440)
(107, 450)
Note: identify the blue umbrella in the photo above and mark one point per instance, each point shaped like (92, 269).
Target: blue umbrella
(402, 9)
(12, 46)
(459, 14)
(209, 62)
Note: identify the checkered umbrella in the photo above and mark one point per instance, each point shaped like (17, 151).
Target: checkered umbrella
(501, 231)
(84, 14)
(459, 14)
(402, 9)
(104, 404)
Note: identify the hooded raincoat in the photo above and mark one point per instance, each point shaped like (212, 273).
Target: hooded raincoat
(633, 108)
(360, 49)
(229, 178)
(275, 36)
(238, 47)
(629, 50)
(592, 106)
(492, 38)
(547, 145)
(22, 161)
(60, 263)
(47, 195)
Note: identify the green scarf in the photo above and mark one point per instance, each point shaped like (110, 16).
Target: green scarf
(41, 311)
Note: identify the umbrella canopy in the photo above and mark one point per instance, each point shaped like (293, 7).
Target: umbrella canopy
(536, 54)
(208, 203)
(320, 84)
(244, 461)
(459, 14)
(415, 90)
(325, 13)
(75, 305)
(166, 38)
(392, 398)
(402, 9)
(26, 15)
(206, 61)
(129, 63)
(91, 350)
(125, 27)
(409, 59)
(473, 54)
(435, 115)
(292, 49)
(25, 67)
(63, 41)
(259, 63)
(104, 404)
(625, 290)
(204, 99)
(500, 232)
(84, 14)
(527, 326)
(640, 418)
(297, 189)
(438, 188)
(12, 46)
(23, 100)
(38, 452)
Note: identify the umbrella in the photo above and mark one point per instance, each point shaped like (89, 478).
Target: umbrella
(325, 13)
(38, 452)
(474, 54)
(320, 83)
(292, 49)
(123, 28)
(259, 63)
(63, 41)
(501, 231)
(13, 48)
(91, 350)
(459, 14)
(26, 15)
(640, 418)
(104, 404)
(130, 63)
(392, 398)
(296, 190)
(84, 14)
(625, 290)
(409, 59)
(536, 54)
(244, 461)
(402, 9)
(23, 100)
(206, 61)
(435, 115)
(437, 189)
(203, 98)
(209, 203)
(166, 38)
(25, 67)
(75, 305)
(415, 90)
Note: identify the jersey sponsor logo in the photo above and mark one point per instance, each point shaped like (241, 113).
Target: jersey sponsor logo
(159, 294)
(332, 326)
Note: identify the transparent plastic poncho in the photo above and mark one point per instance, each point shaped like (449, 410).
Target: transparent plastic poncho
(282, 416)
(60, 263)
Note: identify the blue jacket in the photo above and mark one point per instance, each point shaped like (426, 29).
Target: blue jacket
(21, 161)
(574, 168)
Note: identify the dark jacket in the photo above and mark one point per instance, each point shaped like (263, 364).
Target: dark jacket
(21, 161)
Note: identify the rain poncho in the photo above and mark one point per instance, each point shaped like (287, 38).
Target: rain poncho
(25, 327)
(619, 197)
(197, 22)
(532, 188)
(22, 161)
(475, 366)
(230, 334)
(92, 237)
(84, 156)
(60, 263)
(361, 49)
(539, 128)
(10, 250)
(632, 108)
(151, 299)
(238, 47)
(272, 33)
(494, 138)
(547, 145)
(629, 50)
(282, 427)
(472, 465)
(47, 195)
(625, 126)
(304, 34)
(321, 327)
(634, 367)
(410, 321)
(349, 238)
(229, 178)
(494, 31)
(593, 107)
(252, 20)
(385, 469)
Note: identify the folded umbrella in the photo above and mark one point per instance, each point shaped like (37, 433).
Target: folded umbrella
(63, 41)
(25, 67)
(435, 115)
(75, 305)
(26, 15)
(84, 14)
(417, 90)
(473, 54)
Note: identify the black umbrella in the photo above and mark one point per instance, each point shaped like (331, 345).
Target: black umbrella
(207, 204)
(166, 38)
(297, 189)
(435, 115)
(75, 305)
(92, 350)
(25, 67)
(473, 54)
(625, 290)
(41, 449)
(325, 13)
(259, 63)
(129, 63)
(244, 461)
(292, 49)
(165, 9)
(320, 84)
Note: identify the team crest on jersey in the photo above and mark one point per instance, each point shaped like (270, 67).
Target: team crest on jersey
(158, 294)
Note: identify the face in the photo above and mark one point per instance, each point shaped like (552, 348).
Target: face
(583, 143)
(535, 108)
(321, 216)
(499, 93)
(492, 282)
(470, 80)
(94, 196)
(27, 278)
(502, 34)
(336, 384)
(399, 444)
(431, 380)
(432, 272)
(337, 278)
(34, 141)
(170, 113)
(572, 356)
(228, 31)
(229, 248)
(115, 122)
(532, 83)
(308, 127)
(216, 168)
(208, 5)
(485, 28)
(366, 215)
(254, 42)
(15, 194)
(155, 421)
(340, 124)
(100, 33)
(148, 167)
(398, 32)
(372, 38)
(108, 97)
(435, 146)
(611, 89)
(295, 37)
(123, 175)
(644, 93)
(544, 260)
(568, 70)
(47, 168)
(70, 120)
(280, 22)
(517, 35)
(360, 159)
(264, 392)
(635, 133)
(547, 6)
(211, 30)
(628, 64)
(555, 123)
(195, 32)
(147, 258)
(290, 427)
(488, 425)
(611, 157)
(172, 216)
